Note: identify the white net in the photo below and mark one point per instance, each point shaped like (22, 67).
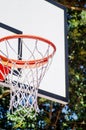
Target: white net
(23, 63)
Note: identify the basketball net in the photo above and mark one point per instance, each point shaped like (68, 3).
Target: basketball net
(23, 72)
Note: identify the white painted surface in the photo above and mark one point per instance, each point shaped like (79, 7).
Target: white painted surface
(41, 18)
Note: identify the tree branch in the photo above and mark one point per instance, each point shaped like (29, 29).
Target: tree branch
(58, 116)
(71, 6)
(7, 92)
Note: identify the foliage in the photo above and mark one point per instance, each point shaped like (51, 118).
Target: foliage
(77, 65)
(23, 118)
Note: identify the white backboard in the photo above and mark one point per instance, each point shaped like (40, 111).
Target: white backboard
(47, 19)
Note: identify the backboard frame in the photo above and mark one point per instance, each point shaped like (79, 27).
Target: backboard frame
(42, 93)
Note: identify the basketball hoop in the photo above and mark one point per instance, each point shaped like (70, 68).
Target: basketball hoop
(23, 67)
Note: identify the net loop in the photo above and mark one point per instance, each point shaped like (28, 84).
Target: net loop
(24, 60)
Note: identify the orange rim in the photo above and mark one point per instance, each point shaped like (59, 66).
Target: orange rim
(31, 63)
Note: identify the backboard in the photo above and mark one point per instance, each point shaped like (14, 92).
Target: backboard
(44, 18)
